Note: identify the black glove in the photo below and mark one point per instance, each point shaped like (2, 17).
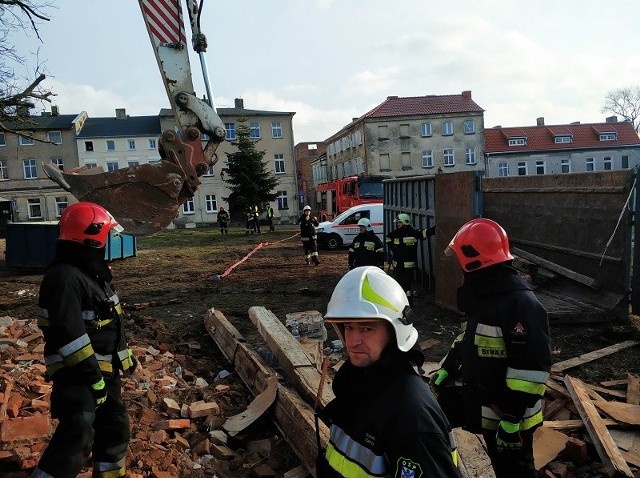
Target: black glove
(99, 390)
(508, 435)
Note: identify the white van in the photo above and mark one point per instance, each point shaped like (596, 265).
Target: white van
(341, 231)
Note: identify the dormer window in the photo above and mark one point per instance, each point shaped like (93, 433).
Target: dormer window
(565, 138)
(517, 141)
(608, 136)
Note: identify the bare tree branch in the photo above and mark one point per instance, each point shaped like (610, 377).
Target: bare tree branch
(626, 103)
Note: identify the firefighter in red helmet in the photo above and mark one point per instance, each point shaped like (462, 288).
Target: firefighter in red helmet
(85, 350)
(502, 359)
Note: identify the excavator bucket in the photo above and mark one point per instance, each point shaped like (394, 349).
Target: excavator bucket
(146, 198)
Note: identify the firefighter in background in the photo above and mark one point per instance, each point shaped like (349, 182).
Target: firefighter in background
(256, 220)
(269, 212)
(403, 245)
(308, 236)
(85, 350)
(223, 220)
(250, 220)
(367, 248)
(503, 356)
(384, 420)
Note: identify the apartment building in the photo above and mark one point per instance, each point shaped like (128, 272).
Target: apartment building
(408, 136)
(28, 195)
(307, 155)
(557, 149)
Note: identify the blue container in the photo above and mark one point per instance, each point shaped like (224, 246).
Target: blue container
(32, 245)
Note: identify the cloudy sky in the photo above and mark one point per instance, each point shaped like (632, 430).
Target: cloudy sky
(332, 60)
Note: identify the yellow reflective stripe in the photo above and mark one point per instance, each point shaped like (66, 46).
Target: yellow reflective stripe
(106, 367)
(409, 265)
(454, 457)
(489, 342)
(454, 448)
(380, 249)
(531, 421)
(410, 241)
(51, 369)
(77, 357)
(74, 345)
(528, 381)
(372, 296)
(105, 469)
(532, 417)
(526, 386)
(126, 359)
(370, 246)
(347, 467)
(492, 342)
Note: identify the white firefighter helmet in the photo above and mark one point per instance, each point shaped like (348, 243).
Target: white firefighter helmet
(367, 293)
(306, 208)
(365, 222)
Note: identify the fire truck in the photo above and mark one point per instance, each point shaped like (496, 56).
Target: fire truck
(339, 195)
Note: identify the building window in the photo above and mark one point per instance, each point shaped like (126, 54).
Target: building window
(522, 168)
(3, 141)
(469, 126)
(447, 129)
(562, 139)
(565, 166)
(607, 163)
(404, 131)
(25, 141)
(254, 130)
(281, 198)
(4, 170)
(29, 167)
(90, 165)
(540, 166)
(189, 207)
(517, 141)
(112, 166)
(55, 137)
(590, 164)
(383, 132)
(210, 203)
(279, 163)
(385, 163)
(503, 170)
(152, 143)
(427, 159)
(58, 162)
(88, 145)
(625, 162)
(61, 205)
(470, 156)
(35, 211)
(211, 171)
(406, 161)
(449, 159)
(276, 129)
(230, 128)
(111, 145)
(131, 144)
(607, 137)
(425, 130)
(133, 164)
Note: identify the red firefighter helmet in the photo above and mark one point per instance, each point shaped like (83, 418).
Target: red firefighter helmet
(480, 243)
(88, 224)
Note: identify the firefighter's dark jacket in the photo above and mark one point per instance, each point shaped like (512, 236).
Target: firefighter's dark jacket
(81, 318)
(403, 244)
(386, 422)
(308, 227)
(366, 250)
(504, 353)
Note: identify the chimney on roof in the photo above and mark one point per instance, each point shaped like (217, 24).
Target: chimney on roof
(540, 121)
(392, 97)
(575, 123)
(466, 94)
(612, 119)
(121, 113)
(354, 119)
(239, 102)
(54, 110)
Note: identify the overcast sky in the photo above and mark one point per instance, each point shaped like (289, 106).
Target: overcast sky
(332, 60)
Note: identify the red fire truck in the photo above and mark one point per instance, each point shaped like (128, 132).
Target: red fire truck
(339, 195)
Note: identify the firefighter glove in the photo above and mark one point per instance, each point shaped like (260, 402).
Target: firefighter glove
(508, 435)
(439, 377)
(99, 390)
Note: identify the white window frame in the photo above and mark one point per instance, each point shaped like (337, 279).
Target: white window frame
(4, 170)
(523, 167)
(426, 130)
(565, 164)
(91, 165)
(30, 168)
(61, 205)
(278, 163)
(607, 163)
(447, 128)
(54, 133)
(541, 166)
(503, 170)
(152, 143)
(427, 159)
(132, 163)
(211, 203)
(211, 171)
(608, 136)
(590, 164)
(34, 208)
(112, 165)
(254, 128)
(564, 139)
(25, 141)
(110, 145)
(448, 157)
(58, 162)
(276, 130)
(188, 207)
(230, 129)
(470, 157)
(131, 144)
(88, 146)
(517, 141)
(282, 200)
(469, 126)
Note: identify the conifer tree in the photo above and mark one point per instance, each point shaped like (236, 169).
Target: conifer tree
(247, 175)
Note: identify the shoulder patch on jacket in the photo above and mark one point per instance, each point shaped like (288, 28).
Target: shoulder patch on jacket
(408, 469)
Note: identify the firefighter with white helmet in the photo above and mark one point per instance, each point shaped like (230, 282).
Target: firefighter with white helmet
(308, 236)
(403, 246)
(85, 350)
(384, 420)
(367, 248)
(502, 358)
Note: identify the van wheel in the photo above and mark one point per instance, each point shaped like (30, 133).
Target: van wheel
(333, 242)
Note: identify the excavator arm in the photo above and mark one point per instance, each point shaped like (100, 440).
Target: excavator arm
(146, 198)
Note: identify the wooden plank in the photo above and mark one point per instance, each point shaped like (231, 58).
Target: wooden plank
(588, 357)
(473, 461)
(550, 409)
(633, 389)
(573, 424)
(298, 368)
(552, 266)
(608, 391)
(605, 446)
(293, 416)
(623, 412)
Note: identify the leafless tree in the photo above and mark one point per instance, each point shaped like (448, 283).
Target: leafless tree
(19, 17)
(626, 103)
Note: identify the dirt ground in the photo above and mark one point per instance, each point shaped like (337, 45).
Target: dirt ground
(175, 278)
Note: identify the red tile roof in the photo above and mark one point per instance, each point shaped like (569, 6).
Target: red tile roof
(424, 105)
(542, 137)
